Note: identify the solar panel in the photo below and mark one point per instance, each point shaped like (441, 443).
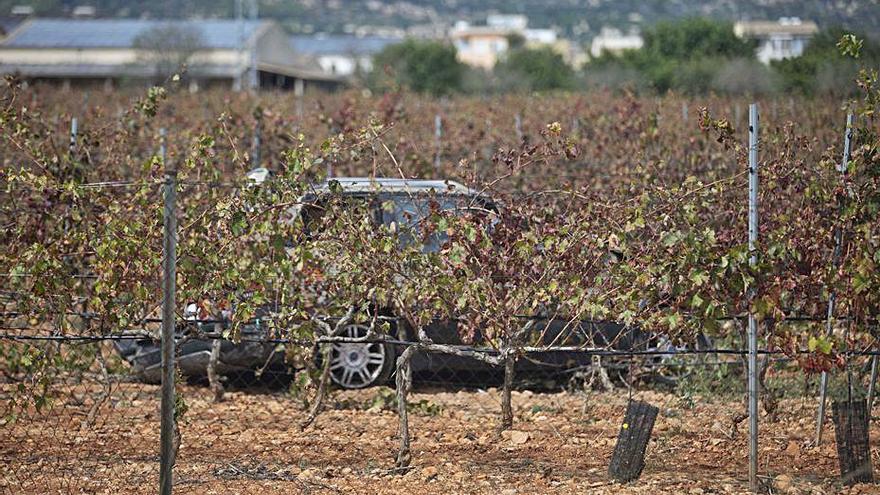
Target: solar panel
(121, 33)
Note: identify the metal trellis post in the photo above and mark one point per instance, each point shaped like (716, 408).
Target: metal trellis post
(298, 92)
(255, 154)
(168, 292)
(73, 131)
(438, 136)
(753, 324)
(517, 124)
(838, 238)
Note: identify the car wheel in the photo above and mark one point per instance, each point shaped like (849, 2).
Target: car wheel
(360, 365)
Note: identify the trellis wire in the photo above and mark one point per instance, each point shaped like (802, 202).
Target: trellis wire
(594, 351)
(168, 302)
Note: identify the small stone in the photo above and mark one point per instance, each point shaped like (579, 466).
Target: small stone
(310, 473)
(785, 484)
(517, 437)
(429, 473)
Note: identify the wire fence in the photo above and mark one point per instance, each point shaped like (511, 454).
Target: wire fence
(91, 424)
(83, 404)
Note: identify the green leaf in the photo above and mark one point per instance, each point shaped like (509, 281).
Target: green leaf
(238, 224)
(699, 277)
(334, 186)
(671, 238)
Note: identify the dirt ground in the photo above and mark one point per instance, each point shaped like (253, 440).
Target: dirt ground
(562, 442)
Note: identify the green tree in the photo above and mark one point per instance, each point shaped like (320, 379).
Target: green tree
(822, 68)
(682, 55)
(422, 66)
(168, 49)
(536, 69)
(695, 38)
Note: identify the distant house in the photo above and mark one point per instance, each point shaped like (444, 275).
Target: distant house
(613, 41)
(483, 45)
(109, 52)
(341, 55)
(480, 46)
(777, 40)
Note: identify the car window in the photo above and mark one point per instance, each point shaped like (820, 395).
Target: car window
(405, 214)
(314, 214)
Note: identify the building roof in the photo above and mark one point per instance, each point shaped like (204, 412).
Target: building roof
(472, 31)
(7, 24)
(340, 45)
(122, 33)
(790, 26)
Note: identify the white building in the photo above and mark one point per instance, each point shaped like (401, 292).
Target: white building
(342, 55)
(483, 45)
(613, 41)
(777, 40)
(108, 52)
(515, 22)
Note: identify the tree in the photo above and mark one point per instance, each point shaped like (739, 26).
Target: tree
(745, 77)
(167, 49)
(822, 68)
(682, 55)
(536, 69)
(695, 38)
(422, 66)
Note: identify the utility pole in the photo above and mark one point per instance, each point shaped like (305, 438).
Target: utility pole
(237, 84)
(254, 80)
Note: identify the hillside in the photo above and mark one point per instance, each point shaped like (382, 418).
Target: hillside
(577, 19)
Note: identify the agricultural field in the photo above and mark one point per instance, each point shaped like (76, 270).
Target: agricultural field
(561, 443)
(604, 207)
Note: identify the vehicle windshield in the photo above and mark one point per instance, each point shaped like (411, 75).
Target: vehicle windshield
(406, 214)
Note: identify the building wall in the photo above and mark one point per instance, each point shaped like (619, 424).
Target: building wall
(274, 47)
(344, 65)
(102, 56)
(779, 47)
(614, 41)
(481, 50)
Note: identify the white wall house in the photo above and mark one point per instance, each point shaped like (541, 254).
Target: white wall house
(777, 40)
(106, 51)
(480, 46)
(613, 41)
(483, 45)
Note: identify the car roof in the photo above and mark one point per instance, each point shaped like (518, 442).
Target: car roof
(355, 185)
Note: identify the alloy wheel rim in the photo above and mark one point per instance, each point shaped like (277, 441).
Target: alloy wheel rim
(356, 365)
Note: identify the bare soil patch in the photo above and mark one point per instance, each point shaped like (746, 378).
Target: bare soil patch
(562, 442)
